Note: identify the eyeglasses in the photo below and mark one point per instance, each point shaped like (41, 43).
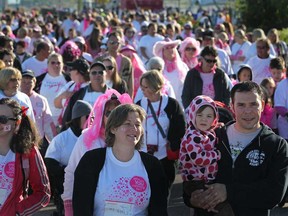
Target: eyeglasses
(261, 47)
(55, 63)
(110, 67)
(113, 42)
(190, 49)
(107, 113)
(5, 119)
(210, 60)
(94, 73)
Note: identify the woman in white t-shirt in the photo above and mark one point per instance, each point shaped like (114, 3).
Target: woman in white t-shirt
(91, 138)
(51, 83)
(119, 179)
(175, 69)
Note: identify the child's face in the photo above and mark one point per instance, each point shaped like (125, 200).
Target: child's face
(271, 88)
(245, 75)
(205, 119)
(277, 74)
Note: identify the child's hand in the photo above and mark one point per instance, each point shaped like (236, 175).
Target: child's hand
(220, 124)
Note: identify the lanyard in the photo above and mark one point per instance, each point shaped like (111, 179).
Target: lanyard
(157, 116)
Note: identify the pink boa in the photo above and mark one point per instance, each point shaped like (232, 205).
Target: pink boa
(95, 127)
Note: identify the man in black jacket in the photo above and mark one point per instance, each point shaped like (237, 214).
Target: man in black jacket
(253, 170)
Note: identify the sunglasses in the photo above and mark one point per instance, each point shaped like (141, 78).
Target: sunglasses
(107, 113)
(190, 49)
(113, 42)
(110, 67)
(97, 73)
(5, 119)
(210, 60)
(55, 63)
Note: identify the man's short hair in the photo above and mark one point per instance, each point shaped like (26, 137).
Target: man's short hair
(247, 86)
(41, 46)
(277, 63)
(4, 40)
(209, 50)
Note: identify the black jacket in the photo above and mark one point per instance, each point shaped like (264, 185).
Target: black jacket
(257, 180)
(87, 175)
(193, 86)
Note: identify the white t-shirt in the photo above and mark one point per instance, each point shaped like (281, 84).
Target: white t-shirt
(238, 141)
(23, 100)
(38, 67)
(91, 97)
(49, 88)
(42, 112)
(239, 50)
(260, 68)
(226, 65)
(7, 174)
(122, 186)
(148, 41)
(78, 151)
(152, 135)
(61, 146)
(281, 100)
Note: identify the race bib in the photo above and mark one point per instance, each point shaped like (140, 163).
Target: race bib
(118, 209)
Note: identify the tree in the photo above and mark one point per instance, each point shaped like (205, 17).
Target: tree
(265, 14)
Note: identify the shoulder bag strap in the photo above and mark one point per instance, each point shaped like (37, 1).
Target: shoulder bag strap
(156, 120)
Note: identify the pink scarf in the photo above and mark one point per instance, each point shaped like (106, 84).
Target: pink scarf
(170, 65)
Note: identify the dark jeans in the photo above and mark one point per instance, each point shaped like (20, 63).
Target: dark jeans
(224, 208)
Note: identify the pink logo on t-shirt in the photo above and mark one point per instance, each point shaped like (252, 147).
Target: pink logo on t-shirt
(138, 184)
(9, 169)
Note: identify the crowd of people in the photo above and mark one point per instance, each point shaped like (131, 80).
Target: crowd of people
(99, 112)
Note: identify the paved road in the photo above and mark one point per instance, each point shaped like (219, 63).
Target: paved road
(176, 206)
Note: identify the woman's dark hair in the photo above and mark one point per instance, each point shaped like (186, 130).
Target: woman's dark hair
(95, 38)
(27, 135)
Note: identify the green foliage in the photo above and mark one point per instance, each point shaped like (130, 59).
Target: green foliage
(283, 35)
(265, 14)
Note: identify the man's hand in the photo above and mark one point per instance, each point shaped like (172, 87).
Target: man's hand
(218, 194)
